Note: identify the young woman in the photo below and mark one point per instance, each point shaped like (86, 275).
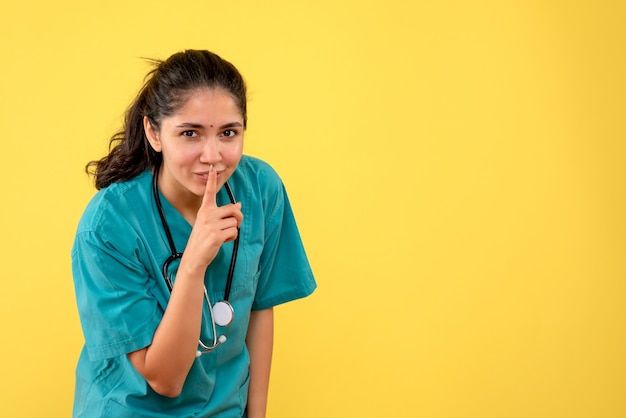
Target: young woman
(180, 257)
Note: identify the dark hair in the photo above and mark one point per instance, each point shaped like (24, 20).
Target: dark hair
(165, 90)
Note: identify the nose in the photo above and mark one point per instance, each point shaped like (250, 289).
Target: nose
(211, 152)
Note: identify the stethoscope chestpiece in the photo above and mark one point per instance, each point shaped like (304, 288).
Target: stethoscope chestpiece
(223, 313)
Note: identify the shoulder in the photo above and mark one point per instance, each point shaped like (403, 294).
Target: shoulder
(258, 184)
(116, 204)
(258, 176)
(258, 168)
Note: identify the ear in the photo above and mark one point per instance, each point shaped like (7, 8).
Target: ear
(152, 134)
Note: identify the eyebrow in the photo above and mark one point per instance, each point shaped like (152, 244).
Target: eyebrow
(200, 126)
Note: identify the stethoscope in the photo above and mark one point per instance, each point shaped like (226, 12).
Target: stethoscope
(222, 313)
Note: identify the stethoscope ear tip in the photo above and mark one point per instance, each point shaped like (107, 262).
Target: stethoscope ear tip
(220, 340)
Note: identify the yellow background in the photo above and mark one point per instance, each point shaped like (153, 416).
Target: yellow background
(456, 167)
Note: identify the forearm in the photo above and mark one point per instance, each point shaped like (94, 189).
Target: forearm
(260, 340)
(167, 361)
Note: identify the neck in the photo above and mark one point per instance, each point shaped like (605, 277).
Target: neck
(186, 206)
(183, 201)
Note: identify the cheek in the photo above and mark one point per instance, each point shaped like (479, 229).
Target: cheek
(182, 155)
(233, 152)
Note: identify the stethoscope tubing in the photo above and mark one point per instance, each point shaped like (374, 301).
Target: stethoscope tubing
(233, 258)
(176, 255)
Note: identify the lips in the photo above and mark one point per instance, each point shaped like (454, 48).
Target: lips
(205, 176)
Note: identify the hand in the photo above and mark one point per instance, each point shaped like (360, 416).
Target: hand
(213, 226)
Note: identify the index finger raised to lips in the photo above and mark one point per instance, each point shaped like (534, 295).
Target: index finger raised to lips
(210, 191)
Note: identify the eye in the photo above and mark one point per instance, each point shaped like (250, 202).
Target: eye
(189, 134)
(229, 133)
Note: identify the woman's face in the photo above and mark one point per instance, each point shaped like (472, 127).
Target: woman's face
(207, 130)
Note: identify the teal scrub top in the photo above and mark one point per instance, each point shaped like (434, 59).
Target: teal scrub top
(117, 257)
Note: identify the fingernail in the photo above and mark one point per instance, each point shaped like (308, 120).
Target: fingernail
(211, 168)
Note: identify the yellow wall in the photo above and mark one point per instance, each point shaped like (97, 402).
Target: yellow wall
(457, 168)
